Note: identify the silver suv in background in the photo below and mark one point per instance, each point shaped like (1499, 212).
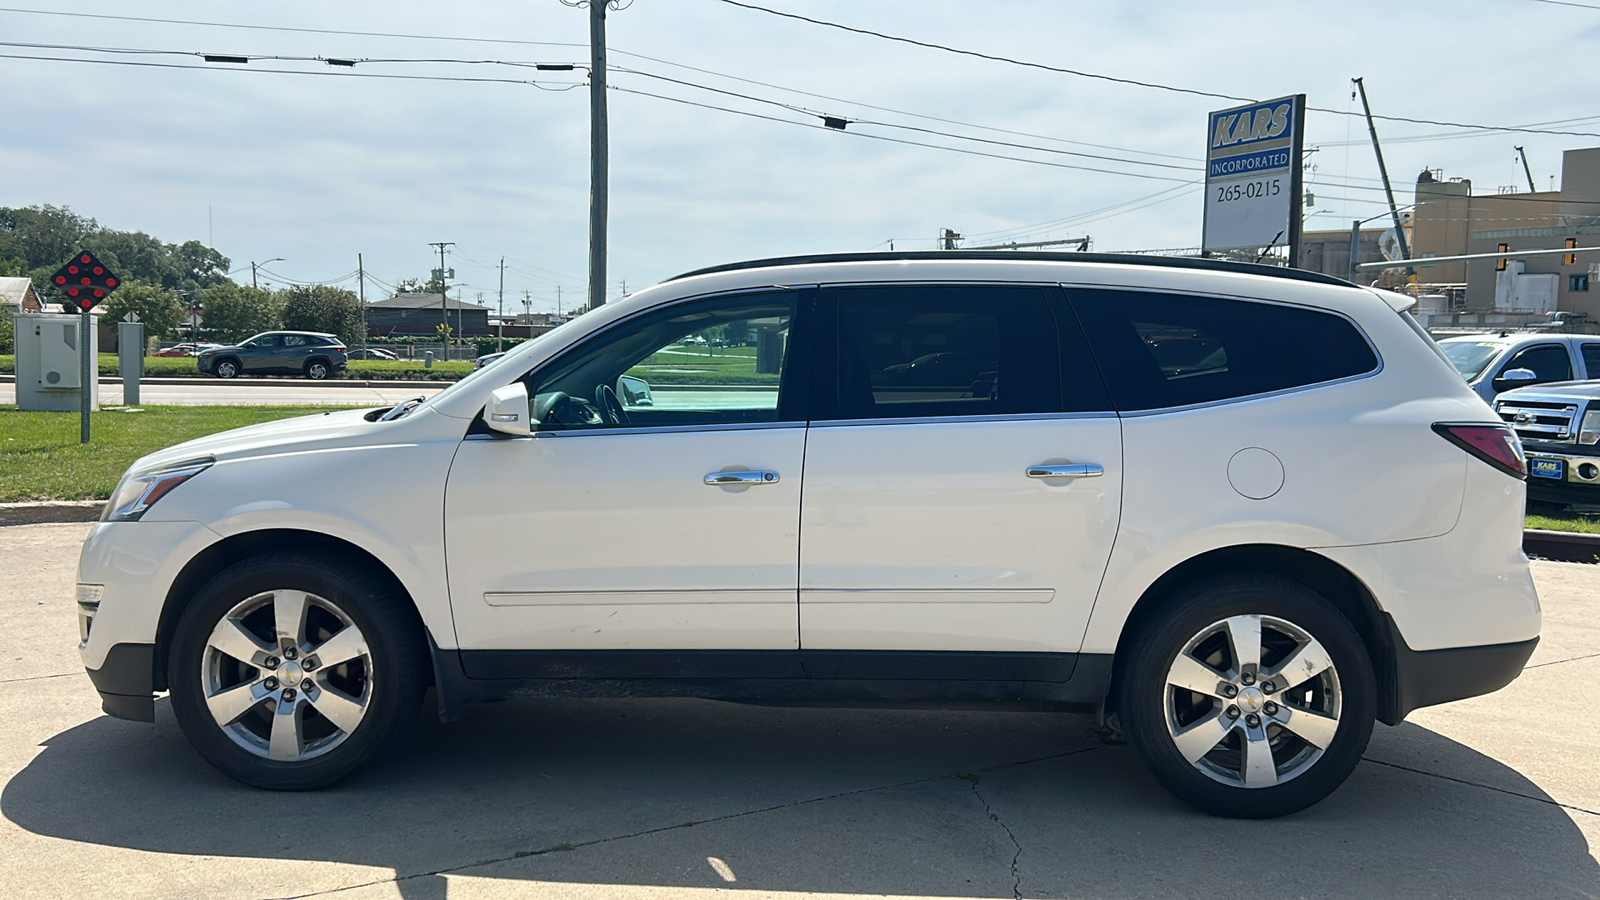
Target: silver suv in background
(314, 354)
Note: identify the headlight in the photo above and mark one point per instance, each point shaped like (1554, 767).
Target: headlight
(138, 493)
(1589, 432)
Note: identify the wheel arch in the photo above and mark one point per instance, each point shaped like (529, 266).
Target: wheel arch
(1316, 572)
(218, 556)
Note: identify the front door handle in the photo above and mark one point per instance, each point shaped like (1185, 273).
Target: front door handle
(1069, 470)
(745, 477)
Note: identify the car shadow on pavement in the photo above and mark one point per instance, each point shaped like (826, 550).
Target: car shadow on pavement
(602, 795)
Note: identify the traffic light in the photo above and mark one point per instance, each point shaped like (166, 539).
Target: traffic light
(1570, 259)
(85, 281)
(1500, 263)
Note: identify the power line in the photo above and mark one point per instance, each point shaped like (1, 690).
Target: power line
(893, 140)
(544, 86)
(1127, 81)
(1568, 3)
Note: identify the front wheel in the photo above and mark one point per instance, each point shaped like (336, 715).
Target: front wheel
(227, 368)
(1249, 697)
(288, 671)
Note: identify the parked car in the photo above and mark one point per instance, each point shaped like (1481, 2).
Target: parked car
(1498, 362)
(370, 353)
(1241, 555)
(1559, 425)
(312, 354)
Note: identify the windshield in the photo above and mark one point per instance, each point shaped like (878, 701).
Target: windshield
(1471, 357)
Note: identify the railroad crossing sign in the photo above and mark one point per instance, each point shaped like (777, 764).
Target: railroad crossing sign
(85, 281)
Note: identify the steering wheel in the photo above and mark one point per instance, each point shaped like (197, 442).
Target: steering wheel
(611, 410)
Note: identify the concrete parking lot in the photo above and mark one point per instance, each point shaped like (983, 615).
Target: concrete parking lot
(1493, 797)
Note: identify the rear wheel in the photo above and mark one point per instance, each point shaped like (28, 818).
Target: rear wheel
(227, 368)
(1249, 696)
(317, 369)
(288, 672)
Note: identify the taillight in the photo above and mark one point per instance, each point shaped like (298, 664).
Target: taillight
(339, 350)
(1496, 445)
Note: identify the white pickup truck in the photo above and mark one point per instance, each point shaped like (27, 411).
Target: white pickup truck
(1499, 361)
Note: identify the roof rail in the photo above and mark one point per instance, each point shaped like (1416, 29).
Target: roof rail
(1121, 259)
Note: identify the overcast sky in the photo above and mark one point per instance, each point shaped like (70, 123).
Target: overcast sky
(317, 168)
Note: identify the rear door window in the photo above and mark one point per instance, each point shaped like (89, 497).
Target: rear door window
(1159, 350)
(1591, 359)
(909, 351)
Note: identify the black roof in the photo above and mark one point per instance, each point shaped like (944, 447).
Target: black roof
(1121, 259)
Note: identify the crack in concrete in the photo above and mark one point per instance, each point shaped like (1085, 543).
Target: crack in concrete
(579, 845)
(1488, 787)
(37, 677)
(1016, 858)
(1558, 661)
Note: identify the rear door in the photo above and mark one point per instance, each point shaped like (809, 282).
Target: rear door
(962, 484)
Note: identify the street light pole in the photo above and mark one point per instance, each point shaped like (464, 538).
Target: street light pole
(253, 265)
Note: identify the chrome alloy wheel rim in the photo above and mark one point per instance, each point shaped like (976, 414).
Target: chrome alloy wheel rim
(287, 675)
(1252, 701)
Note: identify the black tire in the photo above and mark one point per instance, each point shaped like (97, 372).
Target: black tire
(1143, 698)
(226, 368)
(318, 369)
(396, 667)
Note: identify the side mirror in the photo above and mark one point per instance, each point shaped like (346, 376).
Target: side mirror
(634, 391)
(1519, 375)
(508, 411)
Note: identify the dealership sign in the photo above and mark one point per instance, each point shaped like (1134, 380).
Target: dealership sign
(1253, 176)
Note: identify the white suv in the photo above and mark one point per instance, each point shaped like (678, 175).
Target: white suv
(1239, 512)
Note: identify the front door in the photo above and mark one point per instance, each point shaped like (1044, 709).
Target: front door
(962, 486)
(664, 522)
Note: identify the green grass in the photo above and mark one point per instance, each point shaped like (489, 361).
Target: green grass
(41, 459)
(1565, 522)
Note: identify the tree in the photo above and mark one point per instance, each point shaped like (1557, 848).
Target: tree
(414, 286)
(157, 307)
(6, 326)
(45, 237)
(234, 312)
(322, 308)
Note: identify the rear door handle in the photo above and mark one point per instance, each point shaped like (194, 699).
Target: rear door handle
(746, 477)
(1069, 470)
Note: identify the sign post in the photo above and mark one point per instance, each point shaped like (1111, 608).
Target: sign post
(1253, 177)
(85, 282)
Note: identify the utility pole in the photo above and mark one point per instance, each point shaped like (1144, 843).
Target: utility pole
(1355, 247)
(599, 153)
(501, 333)
(444, 296)
(948, 238)
(558, 300)
(1394, 211)
(1526, 171)
(253, 269)
(527, 304)
(361, 276)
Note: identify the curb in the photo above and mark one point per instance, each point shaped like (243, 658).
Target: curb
(50, 512)
(1562, 546)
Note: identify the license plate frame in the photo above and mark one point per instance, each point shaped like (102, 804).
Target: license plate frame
(1549, 469)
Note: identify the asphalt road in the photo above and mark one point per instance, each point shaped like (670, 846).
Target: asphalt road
(1493, 797)
(220, 393)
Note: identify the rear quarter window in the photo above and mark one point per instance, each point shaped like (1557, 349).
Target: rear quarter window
(1160, 350)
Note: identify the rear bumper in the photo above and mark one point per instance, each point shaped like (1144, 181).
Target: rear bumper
(126, 682)
(1430, 677)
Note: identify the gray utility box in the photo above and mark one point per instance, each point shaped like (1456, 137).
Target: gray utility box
(48, 362)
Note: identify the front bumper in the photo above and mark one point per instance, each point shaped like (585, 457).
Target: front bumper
(1579, 481)
(126, 682)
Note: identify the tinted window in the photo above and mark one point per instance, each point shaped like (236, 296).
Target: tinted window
(943, 350)
(1164, 350)
(1549, 362)
(295, 340)
(715, 361)
(1591, 359)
